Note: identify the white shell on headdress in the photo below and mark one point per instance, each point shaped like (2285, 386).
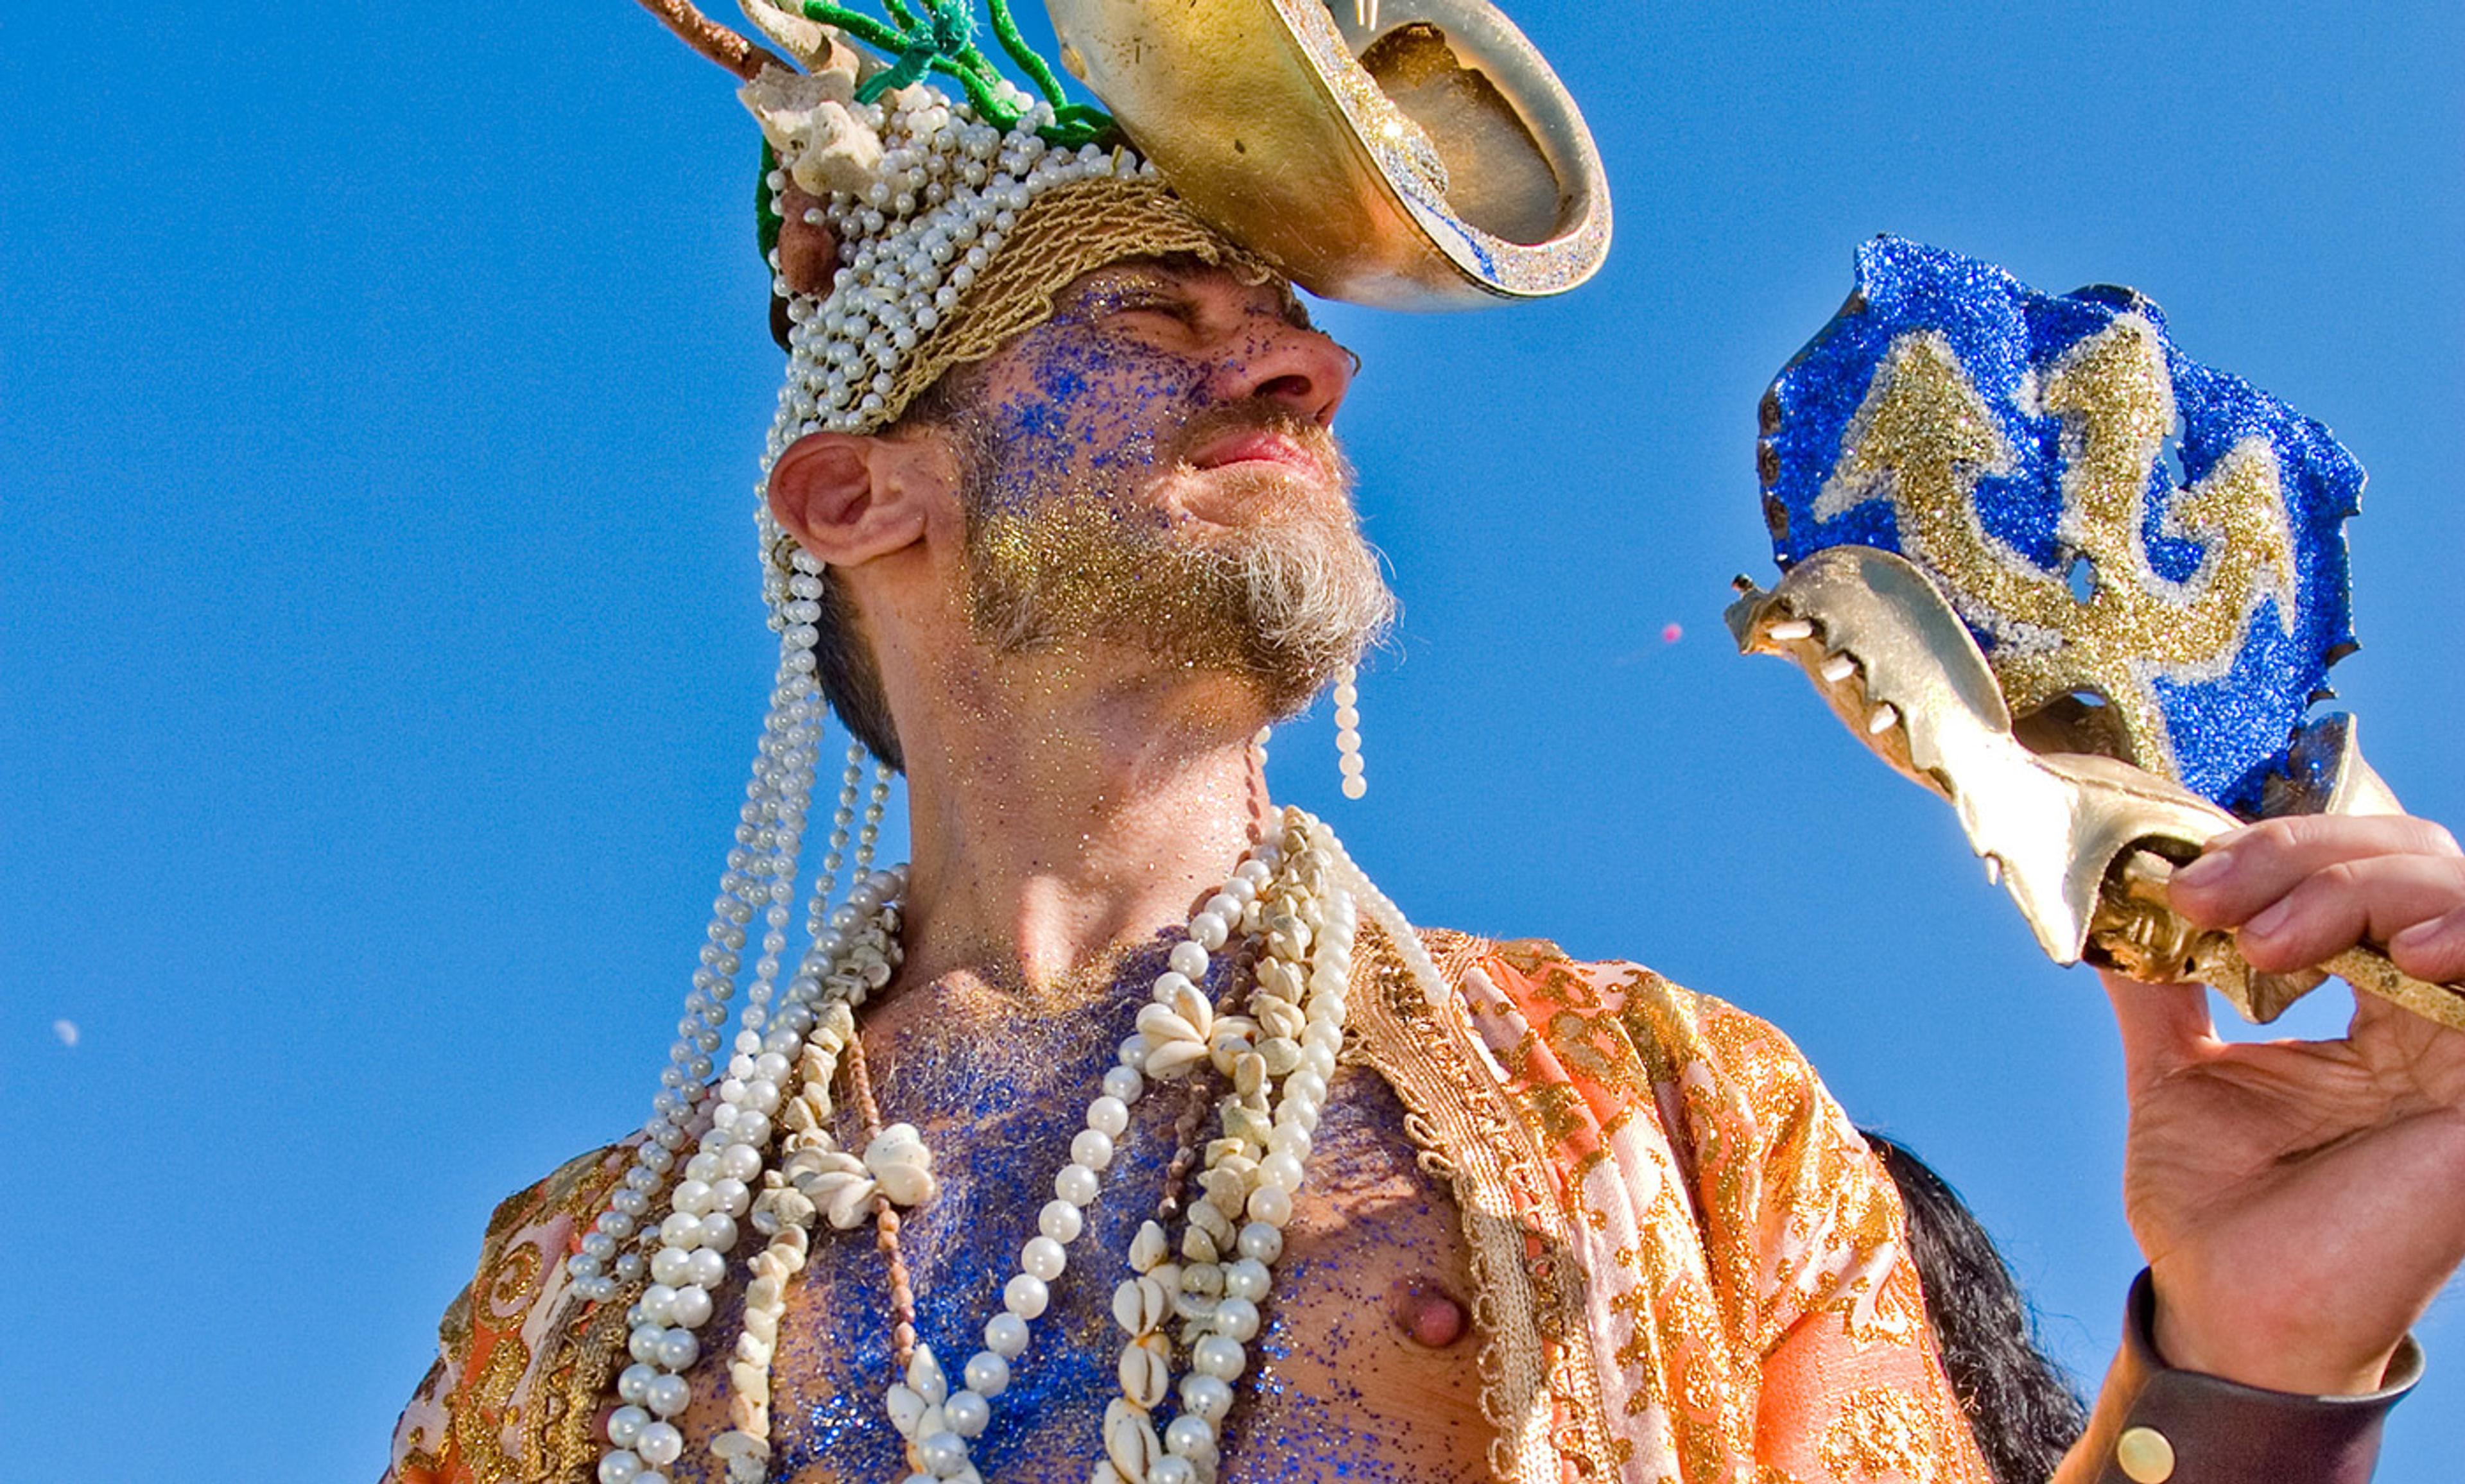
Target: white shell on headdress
(809, 119)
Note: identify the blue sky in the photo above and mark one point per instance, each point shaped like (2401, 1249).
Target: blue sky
(379, 646)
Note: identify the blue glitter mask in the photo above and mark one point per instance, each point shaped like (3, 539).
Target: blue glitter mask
(2023, 448)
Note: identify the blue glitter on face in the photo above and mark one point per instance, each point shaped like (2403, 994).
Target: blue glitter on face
(1132, 356)
(1152, 468)
(2228, 723)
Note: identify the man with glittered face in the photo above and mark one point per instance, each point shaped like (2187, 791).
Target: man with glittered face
(1129, 1134)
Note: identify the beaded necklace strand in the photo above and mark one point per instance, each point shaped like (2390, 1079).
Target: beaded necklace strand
(1290, 900)
(1294, 902)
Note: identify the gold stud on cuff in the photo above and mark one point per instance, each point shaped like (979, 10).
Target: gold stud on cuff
(2144, 1454)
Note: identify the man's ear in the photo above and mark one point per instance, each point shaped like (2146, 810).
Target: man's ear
(847, 498)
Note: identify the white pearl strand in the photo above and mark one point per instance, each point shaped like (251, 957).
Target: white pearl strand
(853, 952)
(759, 875)
(689, 1245)
(1178, 1030)
(1347, 732)
(716, 1192)
(858, 951)
(1307, 924)
(816, 1173)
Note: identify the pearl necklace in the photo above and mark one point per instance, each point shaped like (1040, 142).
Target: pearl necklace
(1293, 896)
(1304, 924)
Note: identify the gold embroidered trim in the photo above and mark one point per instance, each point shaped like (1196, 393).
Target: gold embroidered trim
(476, 1416)
(1575, 1377)
(566, 1439)
(554, 1424)
(1502, 1186)
(1879, 1431)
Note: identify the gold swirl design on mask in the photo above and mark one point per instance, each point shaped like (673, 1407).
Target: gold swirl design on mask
(1925, 438)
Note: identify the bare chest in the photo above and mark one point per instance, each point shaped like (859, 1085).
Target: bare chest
(1337, 1385)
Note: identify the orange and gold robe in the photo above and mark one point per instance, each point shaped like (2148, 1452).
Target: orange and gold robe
(1688, 1266)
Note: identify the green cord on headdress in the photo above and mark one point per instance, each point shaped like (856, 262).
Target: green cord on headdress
(766, 220)
(942, 40)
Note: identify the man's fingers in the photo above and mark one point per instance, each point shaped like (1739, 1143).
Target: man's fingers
(2163, 1026)
(2245, 870)
(2433, 949)
(2374, 899)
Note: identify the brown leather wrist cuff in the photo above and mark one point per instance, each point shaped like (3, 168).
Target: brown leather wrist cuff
(2187, 1427)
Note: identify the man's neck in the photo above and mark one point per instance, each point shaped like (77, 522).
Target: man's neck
(1054, 816)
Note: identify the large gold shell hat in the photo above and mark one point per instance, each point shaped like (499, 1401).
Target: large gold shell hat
(1404, 154)
(1409, 154)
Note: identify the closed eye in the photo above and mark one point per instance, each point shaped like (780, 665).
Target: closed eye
(1152, 304)
(1172, 316)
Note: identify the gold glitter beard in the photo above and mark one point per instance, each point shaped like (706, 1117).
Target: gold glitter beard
(1283, 601)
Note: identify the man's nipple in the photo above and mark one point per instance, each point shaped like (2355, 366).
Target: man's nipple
(1427, 1315)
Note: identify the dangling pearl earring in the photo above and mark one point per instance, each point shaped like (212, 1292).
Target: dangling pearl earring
(1347, 732)
(1258, 748)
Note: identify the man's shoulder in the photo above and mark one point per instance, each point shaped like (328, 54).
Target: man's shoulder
(501, 1388)
(1558, 993)
(573, 1192)
(526, 1239)
(1639, 1089)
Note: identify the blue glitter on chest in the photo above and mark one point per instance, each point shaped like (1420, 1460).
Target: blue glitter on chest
(1006, 1124)
(999, 1116)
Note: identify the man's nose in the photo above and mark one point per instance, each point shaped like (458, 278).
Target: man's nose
(1298, 369)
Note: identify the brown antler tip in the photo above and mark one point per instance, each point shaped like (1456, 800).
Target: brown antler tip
(712, 39)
